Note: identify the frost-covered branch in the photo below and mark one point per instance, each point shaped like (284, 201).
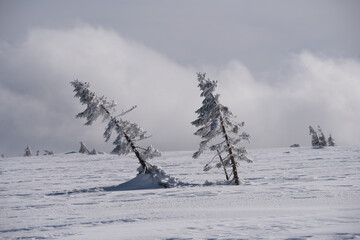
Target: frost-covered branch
(127, 111)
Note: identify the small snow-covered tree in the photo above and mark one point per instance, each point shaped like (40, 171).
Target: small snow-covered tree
(331, 141)
(314, 138)
(48, 152)
(215, 121)
(93, 152)
(83, 148)
(28, 152)
(128, 134)
(322, 139)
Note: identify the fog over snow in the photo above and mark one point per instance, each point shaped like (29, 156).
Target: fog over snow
(278, 98)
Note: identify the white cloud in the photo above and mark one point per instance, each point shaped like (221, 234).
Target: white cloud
(41, 69)
(316, 90)
(38, 107)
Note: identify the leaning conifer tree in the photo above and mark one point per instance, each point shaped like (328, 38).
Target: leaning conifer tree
(83, 149)
(216, 121)
(128, 134)
(322, 139)
(315, 143)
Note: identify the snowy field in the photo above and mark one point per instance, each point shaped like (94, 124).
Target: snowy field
(288, 193)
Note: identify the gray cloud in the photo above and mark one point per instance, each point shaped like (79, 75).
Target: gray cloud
(38, 106)
(36, 88)
(259, 34)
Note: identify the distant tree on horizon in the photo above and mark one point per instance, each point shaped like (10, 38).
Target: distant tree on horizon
(318, 139)
(331, 141)
(314, 138)
(83, 149)
(322, 139)
(48, 152)
(28, 152)
(93, 152)
(215, 121)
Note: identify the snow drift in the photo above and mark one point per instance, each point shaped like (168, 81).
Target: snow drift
(290, 193)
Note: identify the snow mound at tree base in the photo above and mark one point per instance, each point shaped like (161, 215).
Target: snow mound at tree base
(140, 182)
(160, 177)
(154, 178)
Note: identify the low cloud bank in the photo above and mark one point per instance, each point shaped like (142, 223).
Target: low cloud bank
(37, 105)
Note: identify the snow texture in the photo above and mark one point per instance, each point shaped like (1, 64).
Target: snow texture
(287, 193)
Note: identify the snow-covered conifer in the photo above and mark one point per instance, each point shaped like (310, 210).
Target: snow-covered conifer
(93, 152)
(128, 134)
(83, 148)
(322, 139)
(314, 138)
(49, 152)
(215, 121)
(331, 141)
(28, 152)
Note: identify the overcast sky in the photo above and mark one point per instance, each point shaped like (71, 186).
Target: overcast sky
(281, 66)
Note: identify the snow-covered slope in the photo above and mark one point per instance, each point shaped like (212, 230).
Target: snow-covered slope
(290, 193)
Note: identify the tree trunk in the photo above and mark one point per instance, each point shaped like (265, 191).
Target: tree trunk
(232, 159)
(141, 160)
(222, 162)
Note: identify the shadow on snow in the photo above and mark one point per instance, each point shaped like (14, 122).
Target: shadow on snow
(140, 182)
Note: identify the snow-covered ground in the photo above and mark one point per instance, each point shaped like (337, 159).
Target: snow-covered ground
(288, 193)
